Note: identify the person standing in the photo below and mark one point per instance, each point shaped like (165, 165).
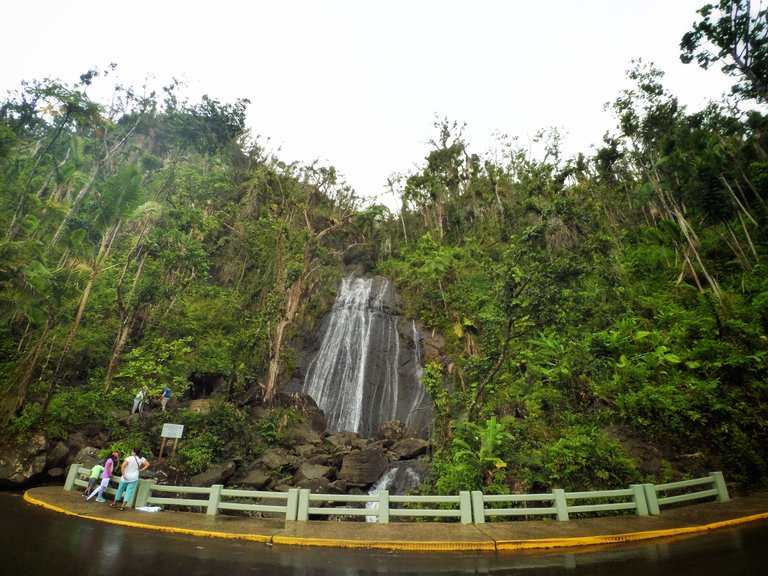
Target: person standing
(164, 397)
(138, 402)
(106, 476)
(132, 466)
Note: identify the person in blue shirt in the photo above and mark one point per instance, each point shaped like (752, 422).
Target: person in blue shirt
(166, 395)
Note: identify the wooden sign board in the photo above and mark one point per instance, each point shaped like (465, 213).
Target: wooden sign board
(174, 431)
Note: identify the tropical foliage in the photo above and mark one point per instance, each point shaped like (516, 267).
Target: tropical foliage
(605, 316)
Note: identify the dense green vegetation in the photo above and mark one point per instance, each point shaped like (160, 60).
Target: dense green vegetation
(613, 296)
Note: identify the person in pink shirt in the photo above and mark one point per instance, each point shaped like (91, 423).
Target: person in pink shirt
(106, 476)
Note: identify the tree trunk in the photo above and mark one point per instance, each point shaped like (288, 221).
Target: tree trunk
(291, 306)
(76, 204)
(106, 245)
(12, 398)
(127, 318)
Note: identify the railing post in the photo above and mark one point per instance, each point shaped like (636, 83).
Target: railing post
(383, 516)
(651, 499)
(74, 472)
(214, 497)
(465, 505)
(641, 506)
(478, 507)
(302, 514)
(292, 505)
(722, 490)
(561, 504)
(143, 491)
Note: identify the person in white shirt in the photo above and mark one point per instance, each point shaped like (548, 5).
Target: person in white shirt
(132, 466)
(138, 401)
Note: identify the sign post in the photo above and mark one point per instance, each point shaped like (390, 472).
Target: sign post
(174, 431)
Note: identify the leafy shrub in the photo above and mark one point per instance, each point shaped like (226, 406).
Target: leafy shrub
(75, 409)
(273, 428)
(584, 459)
(199, 450)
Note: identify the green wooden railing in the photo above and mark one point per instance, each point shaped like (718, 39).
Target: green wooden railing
(300, 504)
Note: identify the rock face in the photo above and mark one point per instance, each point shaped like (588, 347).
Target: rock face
(21, 464)
(342, 462)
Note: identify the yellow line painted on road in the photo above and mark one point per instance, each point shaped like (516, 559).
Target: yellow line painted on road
(619, 538)
(431, 545)
(171, 529)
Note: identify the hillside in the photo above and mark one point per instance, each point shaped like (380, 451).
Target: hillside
(604, 317)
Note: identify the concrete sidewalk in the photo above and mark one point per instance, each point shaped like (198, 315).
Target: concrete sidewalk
(513, 535)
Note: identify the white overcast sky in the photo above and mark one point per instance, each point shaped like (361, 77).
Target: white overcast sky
(359, 83)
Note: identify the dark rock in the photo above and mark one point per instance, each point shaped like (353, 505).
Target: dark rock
(57, 456)
(257, 479)
(309, 471)
(303, 433)
(274, 458)
(294, 461)
(364, 467)
(56, 473)
(77, 441)
(20, 464)
(390, 432)
(345, 440)
(323, 459)
(307, 451)
(313, 416)
(87, 456)
(337, 487)
(433, 345)
(410, 448)
(214, 475)
(316, 485)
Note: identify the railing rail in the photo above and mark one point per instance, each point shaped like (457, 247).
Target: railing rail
(658, 495)
(381, 508)
(467, 507)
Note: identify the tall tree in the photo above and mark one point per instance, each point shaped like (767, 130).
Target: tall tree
(734, 32)
(323, 205)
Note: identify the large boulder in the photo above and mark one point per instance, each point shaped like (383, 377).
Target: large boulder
(314, 418)
(410, 448)
(57, 456)
(274, 458)
(214, 475)
(256, 479)
(364, 467)
(87, 457)
(303, 433)
(316, 485)
(309, 471)
(391, 432)
(21, 464)
(345, 440)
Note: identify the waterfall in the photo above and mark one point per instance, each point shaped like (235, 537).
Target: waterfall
(399, 478)
(365, 371)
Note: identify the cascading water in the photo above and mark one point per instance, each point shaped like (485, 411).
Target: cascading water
(399, 478)
(366, 372)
